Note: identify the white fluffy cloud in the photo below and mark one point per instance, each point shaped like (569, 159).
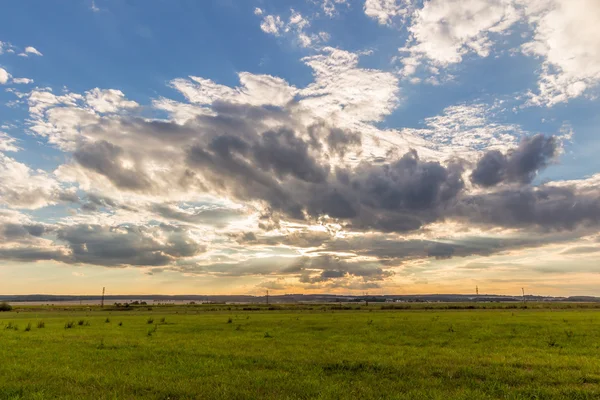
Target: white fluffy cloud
(22, 187)
(567, 38)
(271, 24)
(385, 10)
(330, 6)
(108, 100)
(22, 81)
(4, 76)
(443, 31)
(296, 26)
(341, 88)
(7, 143)
(32, 50)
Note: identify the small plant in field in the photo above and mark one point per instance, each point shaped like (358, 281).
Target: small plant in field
(450, 328)
(41, 324)
(101, 345)
(370, 322)
(238, 328)
(151, 331)
(120, 323)
(107, 320)
(552, 343)
(4, 306)
(28, 327)
(80, 322)
(69, 325)
(12, 326)
(229, 320)
(268, 335)
(569, 333)
(150, 321)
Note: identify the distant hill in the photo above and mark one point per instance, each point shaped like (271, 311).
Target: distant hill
(291, 298)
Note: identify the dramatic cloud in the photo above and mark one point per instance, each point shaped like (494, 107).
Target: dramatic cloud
(520, 165)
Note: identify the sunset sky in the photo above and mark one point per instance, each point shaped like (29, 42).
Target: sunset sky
(306, 146)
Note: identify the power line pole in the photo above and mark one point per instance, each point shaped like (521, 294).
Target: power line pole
(102, 301)
(267, 297)
(523, 290)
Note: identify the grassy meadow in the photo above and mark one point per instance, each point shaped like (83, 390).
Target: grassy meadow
(301, 352)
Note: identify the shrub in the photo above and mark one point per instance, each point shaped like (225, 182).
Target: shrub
(12, 326)
(81, 322)
(69, 325)
(268, 335)
(28, 327)
(150, 321)
(4, 306)
(120, 324)
(41, 324)
(229, 320)
(163, 320)
(107, 320)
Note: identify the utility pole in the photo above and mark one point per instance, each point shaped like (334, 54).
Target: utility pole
(476, 293)
(523, 290)
(267, 297)
(102, 301)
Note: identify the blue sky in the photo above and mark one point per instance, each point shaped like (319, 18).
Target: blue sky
(301, 146)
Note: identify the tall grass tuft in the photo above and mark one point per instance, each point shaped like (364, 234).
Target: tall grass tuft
(28, 327)
(12, 326)
(69, 325)
(41, 324)
(150, 321)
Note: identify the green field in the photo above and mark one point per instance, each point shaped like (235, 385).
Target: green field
(301, 352)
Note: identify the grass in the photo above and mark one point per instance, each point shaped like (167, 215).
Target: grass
(297, 353)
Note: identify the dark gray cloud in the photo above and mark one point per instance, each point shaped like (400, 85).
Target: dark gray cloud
(545, 206)
(218, 217)
(520, 165)
(104, 158)
(128, 245)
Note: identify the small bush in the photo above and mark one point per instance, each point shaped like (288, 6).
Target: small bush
(107, 320)
(41, 324)
(28, 327)
(120, 324)
(151, 331)
(163, 320)
(229, 320)
(12, 326)
(80, 322)
(267, 335)
(569, 333)
(4, 306)
(69, 325)
(238, 328)
(150, 321)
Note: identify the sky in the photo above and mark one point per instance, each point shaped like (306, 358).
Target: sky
(305, 146)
